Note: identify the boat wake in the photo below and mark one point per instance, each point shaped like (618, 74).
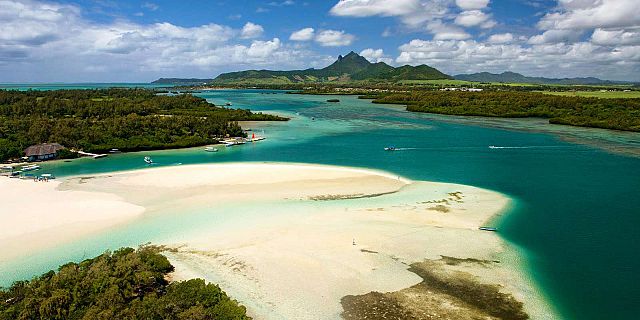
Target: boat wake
(526, 147)
(498, 147)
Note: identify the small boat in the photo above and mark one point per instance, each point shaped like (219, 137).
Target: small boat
(488, 229)
(148, 160)
(228, 104)
(210, 149)
(390, 148)
(31, 167)
(114, 151)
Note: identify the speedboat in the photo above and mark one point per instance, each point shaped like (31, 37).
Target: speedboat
(31, 167)
(390, 148)
(210, 149)
(148, 160)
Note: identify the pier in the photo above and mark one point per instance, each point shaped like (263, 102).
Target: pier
(93, 155)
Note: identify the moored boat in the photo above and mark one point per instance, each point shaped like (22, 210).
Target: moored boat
(148, 160)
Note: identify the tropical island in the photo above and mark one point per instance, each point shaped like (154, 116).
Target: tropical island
(569, 101)
(106, 119)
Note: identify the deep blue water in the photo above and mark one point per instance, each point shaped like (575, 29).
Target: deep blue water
(577, 207)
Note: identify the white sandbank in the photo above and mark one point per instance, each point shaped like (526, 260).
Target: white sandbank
(35, 215)
(297, 257)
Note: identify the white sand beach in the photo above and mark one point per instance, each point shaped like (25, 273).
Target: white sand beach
(320, 232)
(36, 215)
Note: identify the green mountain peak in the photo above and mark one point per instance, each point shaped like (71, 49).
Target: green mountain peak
(351, 67)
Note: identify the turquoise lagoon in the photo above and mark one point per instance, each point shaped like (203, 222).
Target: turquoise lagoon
(576, 191)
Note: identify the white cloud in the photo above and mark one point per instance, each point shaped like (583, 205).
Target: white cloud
(500, 38)
(367, 8)
(334, 38)
(150, 6)
(442, 31)
(251, 31)
(282, 4)
(472, 4)
(473, 18)
(376, 55)
(263, 49)
(413, 13)
(589, 14)
(552, 60)
(36, 36)
(613, 37)
(556, 36)
(305, 34)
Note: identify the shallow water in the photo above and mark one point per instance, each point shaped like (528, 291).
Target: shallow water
(576, 205)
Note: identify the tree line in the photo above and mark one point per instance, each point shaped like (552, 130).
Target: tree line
(102, 119)
(618, 114)
(124, 284)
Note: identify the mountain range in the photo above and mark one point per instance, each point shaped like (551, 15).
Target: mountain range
(512, 77)
(354, 67)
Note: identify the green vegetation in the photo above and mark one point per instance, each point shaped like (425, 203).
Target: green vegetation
(125, 284)
(512, 77)
(439, 82)
(607, 94)
(351, 68)
(126, 119)
(618, 114)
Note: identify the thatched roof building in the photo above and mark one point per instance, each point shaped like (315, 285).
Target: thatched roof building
(43, 151)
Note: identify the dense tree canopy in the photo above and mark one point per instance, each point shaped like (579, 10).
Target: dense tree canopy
(99, 120)
(125, 284)
(619, 114)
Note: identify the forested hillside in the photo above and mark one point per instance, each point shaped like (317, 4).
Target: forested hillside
(99, 120)
(351, 67)
(125, 284)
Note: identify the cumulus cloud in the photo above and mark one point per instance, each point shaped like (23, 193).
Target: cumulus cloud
(589, 14)
(555, 36)
(474, 18)
(376, 55)
(367, 8)
(442, 31)
(305, 34)
(44, 41)
(413, 13)
(251, 31)
(334, 38)
(613, 37)
(472, 4)
(500, 38)
(554, 59)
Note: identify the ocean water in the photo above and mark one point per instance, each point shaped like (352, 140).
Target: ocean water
(70, 86)
(576, 204)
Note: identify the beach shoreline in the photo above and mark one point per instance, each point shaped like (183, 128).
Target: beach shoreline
(304, 235)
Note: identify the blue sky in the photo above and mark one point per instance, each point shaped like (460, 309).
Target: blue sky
(128, 41)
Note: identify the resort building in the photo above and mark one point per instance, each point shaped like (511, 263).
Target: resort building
(43, 151)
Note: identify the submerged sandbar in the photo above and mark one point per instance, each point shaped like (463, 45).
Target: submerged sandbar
(318, 233)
